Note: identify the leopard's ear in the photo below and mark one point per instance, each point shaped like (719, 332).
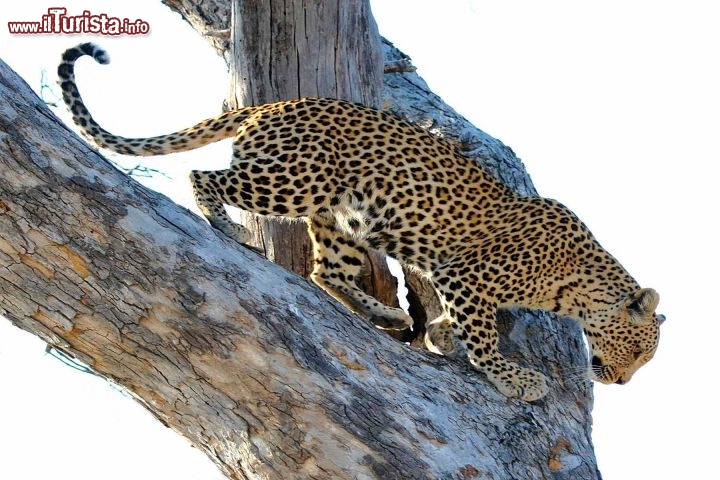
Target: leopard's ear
(641, 305)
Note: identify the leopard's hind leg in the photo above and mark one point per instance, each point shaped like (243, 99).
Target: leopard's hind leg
(338, 261)
(212, 191)
(256, 182)
(338, 257)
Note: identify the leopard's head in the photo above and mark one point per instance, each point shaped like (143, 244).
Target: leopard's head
(623, 337)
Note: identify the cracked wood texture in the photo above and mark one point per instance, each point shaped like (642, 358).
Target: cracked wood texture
(254, 365)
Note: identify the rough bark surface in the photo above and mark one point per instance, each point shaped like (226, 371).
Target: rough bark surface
(210, 18)
(257, 367)
(283, 50)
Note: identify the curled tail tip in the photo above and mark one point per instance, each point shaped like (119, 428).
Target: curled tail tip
(95, 51)
(91, 49)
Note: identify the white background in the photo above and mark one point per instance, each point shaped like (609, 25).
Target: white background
(614, 108)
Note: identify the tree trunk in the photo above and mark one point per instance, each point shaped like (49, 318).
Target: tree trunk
(258, 368)
(283, 50)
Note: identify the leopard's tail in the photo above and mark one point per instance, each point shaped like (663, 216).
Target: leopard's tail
(205, 132)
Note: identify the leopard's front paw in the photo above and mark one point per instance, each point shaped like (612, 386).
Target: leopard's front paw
(238, 233)
(440, 337)
(233, 230)
(523, 383)
(390, 318)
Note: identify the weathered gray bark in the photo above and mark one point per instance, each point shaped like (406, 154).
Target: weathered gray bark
(254, 365)
(283, 50)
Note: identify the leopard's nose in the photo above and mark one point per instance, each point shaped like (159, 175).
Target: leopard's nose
(620, 381)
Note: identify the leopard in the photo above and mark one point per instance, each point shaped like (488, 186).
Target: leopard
(363, 178)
